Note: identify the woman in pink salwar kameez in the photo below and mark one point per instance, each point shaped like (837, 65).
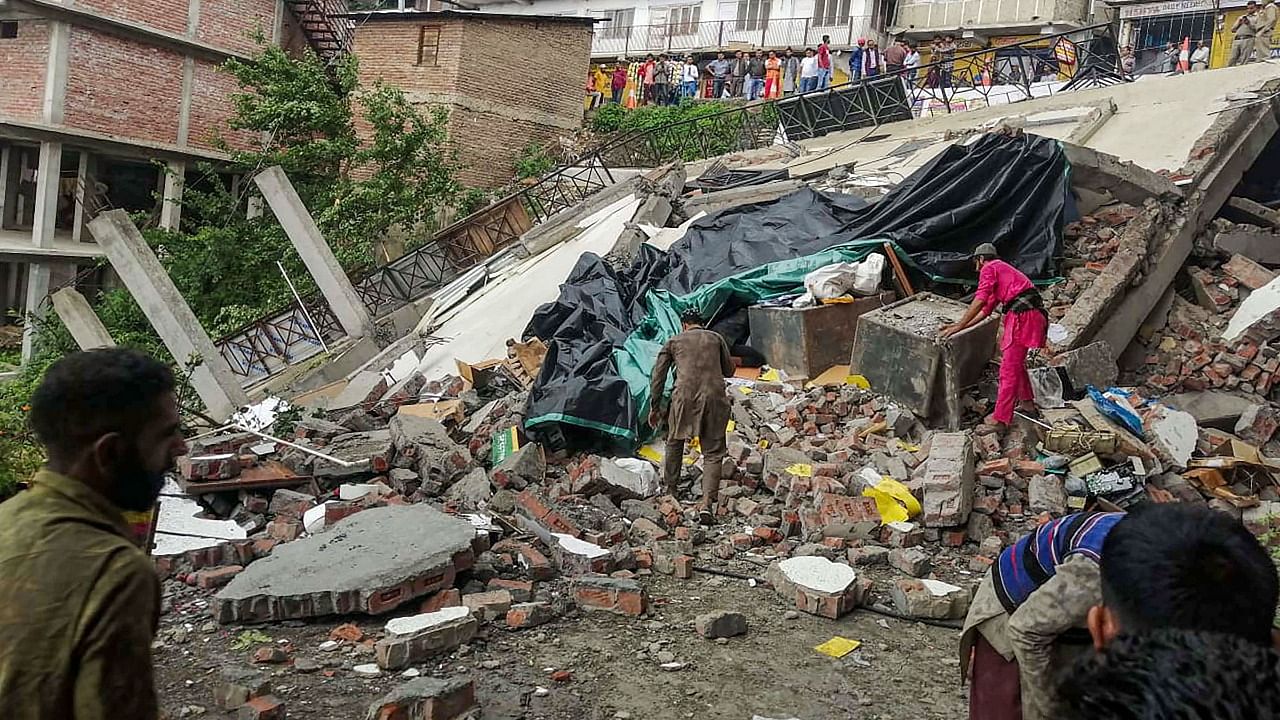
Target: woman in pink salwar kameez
(1025, 324)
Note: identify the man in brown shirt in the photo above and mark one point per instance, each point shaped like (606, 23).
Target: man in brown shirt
(699, 406)
(79, 601)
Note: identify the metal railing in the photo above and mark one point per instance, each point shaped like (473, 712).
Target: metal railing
(1090, 60)
(771, 33)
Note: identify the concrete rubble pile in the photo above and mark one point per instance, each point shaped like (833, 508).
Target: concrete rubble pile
(1090, 244)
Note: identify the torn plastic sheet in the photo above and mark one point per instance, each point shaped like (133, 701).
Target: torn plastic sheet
(607, 325)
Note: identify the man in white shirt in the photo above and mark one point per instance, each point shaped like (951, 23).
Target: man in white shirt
(689, 78)
(809, 71)
(1200, 58)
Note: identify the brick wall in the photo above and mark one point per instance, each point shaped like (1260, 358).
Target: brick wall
(123, 88)
(211, 109)
(23, 60)
(168, 15)
(536, 96)
(230, 23)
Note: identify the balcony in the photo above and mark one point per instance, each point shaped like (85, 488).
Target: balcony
(920, 17)
(776, 34)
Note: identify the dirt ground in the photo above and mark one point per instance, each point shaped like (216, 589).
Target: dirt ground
(902, 670)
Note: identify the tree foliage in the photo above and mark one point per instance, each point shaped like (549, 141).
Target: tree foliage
(365, 161)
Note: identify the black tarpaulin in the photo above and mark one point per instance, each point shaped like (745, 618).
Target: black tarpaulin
(1009, 191)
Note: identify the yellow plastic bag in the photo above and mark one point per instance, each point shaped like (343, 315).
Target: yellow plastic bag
(801, 470)
(858, 381)
(893, 500)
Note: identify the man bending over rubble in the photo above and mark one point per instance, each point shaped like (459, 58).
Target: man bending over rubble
(1163, 566)
(1025, 325)
(79, 600)
(699, 405)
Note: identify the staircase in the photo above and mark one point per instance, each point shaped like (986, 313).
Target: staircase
(329, 31)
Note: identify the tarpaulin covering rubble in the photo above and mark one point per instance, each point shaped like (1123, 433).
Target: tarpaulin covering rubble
(607, 326)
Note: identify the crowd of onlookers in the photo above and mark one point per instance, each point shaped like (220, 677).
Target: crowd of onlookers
(763, 74)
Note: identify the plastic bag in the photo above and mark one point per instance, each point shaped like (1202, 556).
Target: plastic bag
(836, 279)
(1114, 404)
(893, 500)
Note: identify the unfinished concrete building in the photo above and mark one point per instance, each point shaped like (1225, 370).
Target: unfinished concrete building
(107, 105)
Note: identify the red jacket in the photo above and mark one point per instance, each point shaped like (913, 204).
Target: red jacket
(824, 57)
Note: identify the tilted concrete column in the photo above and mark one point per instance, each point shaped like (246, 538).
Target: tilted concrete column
(48, 175)
(80, 320)
(175, 176)
(319, 259)
(84, 194)
(168, 312)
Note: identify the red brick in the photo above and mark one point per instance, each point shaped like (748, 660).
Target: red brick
(527, 615)
(954, 538)
(742, 541)
(266, 707)
(683, 567)
(443, 599)
(217, 577)
(284, 529)
(521, 590)
(348, 632)
(1000, 466)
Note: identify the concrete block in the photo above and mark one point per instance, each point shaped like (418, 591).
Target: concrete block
(472, 491)
(1046, 493)
(528, 615)
(1211, 408)
(371, 562)
(488, 605)
(1093, 364)
(930, 599)
(424, 445)
(1257, 424)
(912, 561)
(1249, 273)
(417, 638)
(816, 585)
(868, 555)
(238, 685)
(523, 467)
(948, 481)
(1261, 247)
(426, 698)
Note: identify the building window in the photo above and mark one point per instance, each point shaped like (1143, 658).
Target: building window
(428, 45)
(752, 14)
(684, 20)
(8, 30)
(618, 23)
(830, 13)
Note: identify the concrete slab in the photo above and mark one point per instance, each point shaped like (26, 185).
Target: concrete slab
(371, 562)
(1211, 408)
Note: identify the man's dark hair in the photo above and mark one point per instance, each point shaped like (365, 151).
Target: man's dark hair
(691, 316)
(86, 395)
(1189, 567)
(1173, 675)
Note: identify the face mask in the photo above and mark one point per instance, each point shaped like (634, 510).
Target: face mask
(136, 488)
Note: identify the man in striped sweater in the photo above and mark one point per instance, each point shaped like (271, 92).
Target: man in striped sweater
(1075, 583)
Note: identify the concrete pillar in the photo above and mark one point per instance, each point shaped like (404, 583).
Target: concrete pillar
(39, 278)
(84, 176)
(175, 177)
(4, 184)
(80, 320)
(168, 312)
(316, 255)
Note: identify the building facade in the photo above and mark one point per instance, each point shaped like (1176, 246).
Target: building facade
(632, 28)
(507, 81)
(1149, 27)
(105, 104)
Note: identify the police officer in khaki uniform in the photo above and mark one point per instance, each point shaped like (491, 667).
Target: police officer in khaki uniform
(699, 406)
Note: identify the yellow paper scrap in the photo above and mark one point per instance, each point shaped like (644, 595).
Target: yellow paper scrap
(909, 447)
(771, 375)
(650, 453)
(801, 470)
(894, 501)
(838, 647)
(858, 381)
(729, 426)
(763, 444)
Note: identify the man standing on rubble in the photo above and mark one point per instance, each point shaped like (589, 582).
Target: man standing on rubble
(699, 406)
(1025, 325)
(79, 601)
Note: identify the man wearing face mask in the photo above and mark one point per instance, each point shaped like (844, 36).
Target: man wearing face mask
(79, 601)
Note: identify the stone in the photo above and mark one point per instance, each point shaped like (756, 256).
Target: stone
(488, 605)
(367, 670)
(528, 615)
(1211, 408)
(816, 585)
(912, 561)
(721, 624)
(290, 503)
(869, 555)
(1257, 424)
(200, 468)
(1172, 434)
(524, 467)
(318, 428)
(616, 595)
(930, 599)
(265, 707)
(237, 685)
(622, 483)
(1093, 364)
(424, 445)
(473, 490)
(417, 638)
(371, 562)
(270, 654)
(948, 481)
(1046, 493)
(1249, 273)
(366, 452)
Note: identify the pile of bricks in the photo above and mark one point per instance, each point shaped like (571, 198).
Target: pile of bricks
(1089, 245)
